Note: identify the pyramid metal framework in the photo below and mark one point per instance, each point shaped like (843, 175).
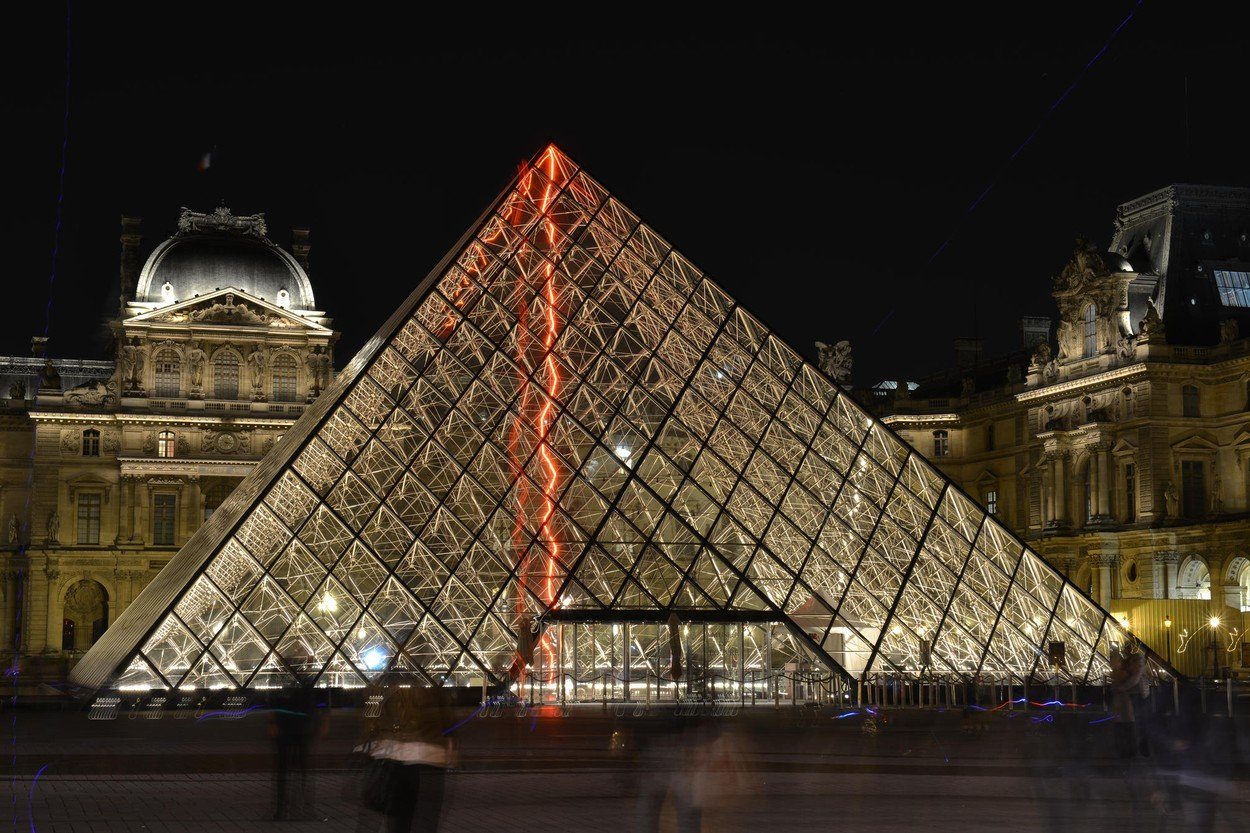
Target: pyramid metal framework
(567, 423)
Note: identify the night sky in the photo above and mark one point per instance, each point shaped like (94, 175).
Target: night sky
(811, 165)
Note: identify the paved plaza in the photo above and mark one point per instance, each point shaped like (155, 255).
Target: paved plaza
(591, 770)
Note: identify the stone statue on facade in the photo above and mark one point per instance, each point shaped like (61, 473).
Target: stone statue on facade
(1044, 362)
(1151, 326)
(1170, 499)
(132, 357)
(318, 363)
(195, 363)
(1126, 347)
(835, 361)
(54, 527)
(17, 390)
(50, 379)
(967, 387)
(92, 392)
(13, 529)
(1229, 331)
(256, 362)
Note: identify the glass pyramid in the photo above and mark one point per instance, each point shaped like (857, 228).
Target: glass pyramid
(569, 429)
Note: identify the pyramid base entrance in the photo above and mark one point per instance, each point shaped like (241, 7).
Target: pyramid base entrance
(641, 657)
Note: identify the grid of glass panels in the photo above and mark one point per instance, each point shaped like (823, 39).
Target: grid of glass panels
(575, 417)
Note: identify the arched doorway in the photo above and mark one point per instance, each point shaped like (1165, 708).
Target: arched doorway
(86, 615)
(1193, 580)
(1237, 583)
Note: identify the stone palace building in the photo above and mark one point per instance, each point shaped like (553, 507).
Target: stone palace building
(1119, 445)
(108, 466)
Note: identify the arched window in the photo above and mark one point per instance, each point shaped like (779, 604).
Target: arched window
(165, 444)
(284, 375)
(1189, 401)
(226, 376)
(168, 373)
(941, 444)
(91, 443)
(1091, 332)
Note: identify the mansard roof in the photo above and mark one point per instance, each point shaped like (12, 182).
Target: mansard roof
(1175, 238)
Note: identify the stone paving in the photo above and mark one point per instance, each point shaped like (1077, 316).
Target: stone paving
(914, 772)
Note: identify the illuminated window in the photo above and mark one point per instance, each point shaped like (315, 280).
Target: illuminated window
(226, 376)
(991, 501)
(284, 379)
(168, 374)
(1234, 288)
(1091, 331)
(91, 443)
(1189, 401)
(89, 518)
(165, 444)
(163, 514)
(941, 444)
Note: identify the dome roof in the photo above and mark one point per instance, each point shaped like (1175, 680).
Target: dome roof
(213, 251)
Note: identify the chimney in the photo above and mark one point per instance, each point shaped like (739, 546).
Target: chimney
(1034, 330)
(967, 353)
(130, 258)
(300, 246)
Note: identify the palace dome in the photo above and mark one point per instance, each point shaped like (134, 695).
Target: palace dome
(218, 250)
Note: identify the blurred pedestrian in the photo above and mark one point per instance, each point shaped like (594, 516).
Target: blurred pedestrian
(412, 731)
(294, 722)
(691, 764)
(1127, 670)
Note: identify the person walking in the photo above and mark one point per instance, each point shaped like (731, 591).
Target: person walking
(294, 722)
(412, 732)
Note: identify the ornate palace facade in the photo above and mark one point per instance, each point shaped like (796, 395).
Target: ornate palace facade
(108, 467)
(1121, 448)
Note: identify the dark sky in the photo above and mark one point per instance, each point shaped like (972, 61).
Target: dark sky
(811, 165)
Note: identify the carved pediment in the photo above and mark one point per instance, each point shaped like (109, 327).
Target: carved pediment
(1123, 446)
(228, 306)
(1201, 442)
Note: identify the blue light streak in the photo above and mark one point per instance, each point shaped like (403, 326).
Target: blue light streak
(30, 801)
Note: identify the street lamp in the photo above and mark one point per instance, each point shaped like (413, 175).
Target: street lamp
(1214, 622)
(1167, 629)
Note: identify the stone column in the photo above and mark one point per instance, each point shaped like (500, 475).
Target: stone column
(193, 511)
(1104, 481)
(1060, 491)
(43, 586)
(1047, 477)
(10, 599)
(1168, 561)
(130, 508)
(1106, 565)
